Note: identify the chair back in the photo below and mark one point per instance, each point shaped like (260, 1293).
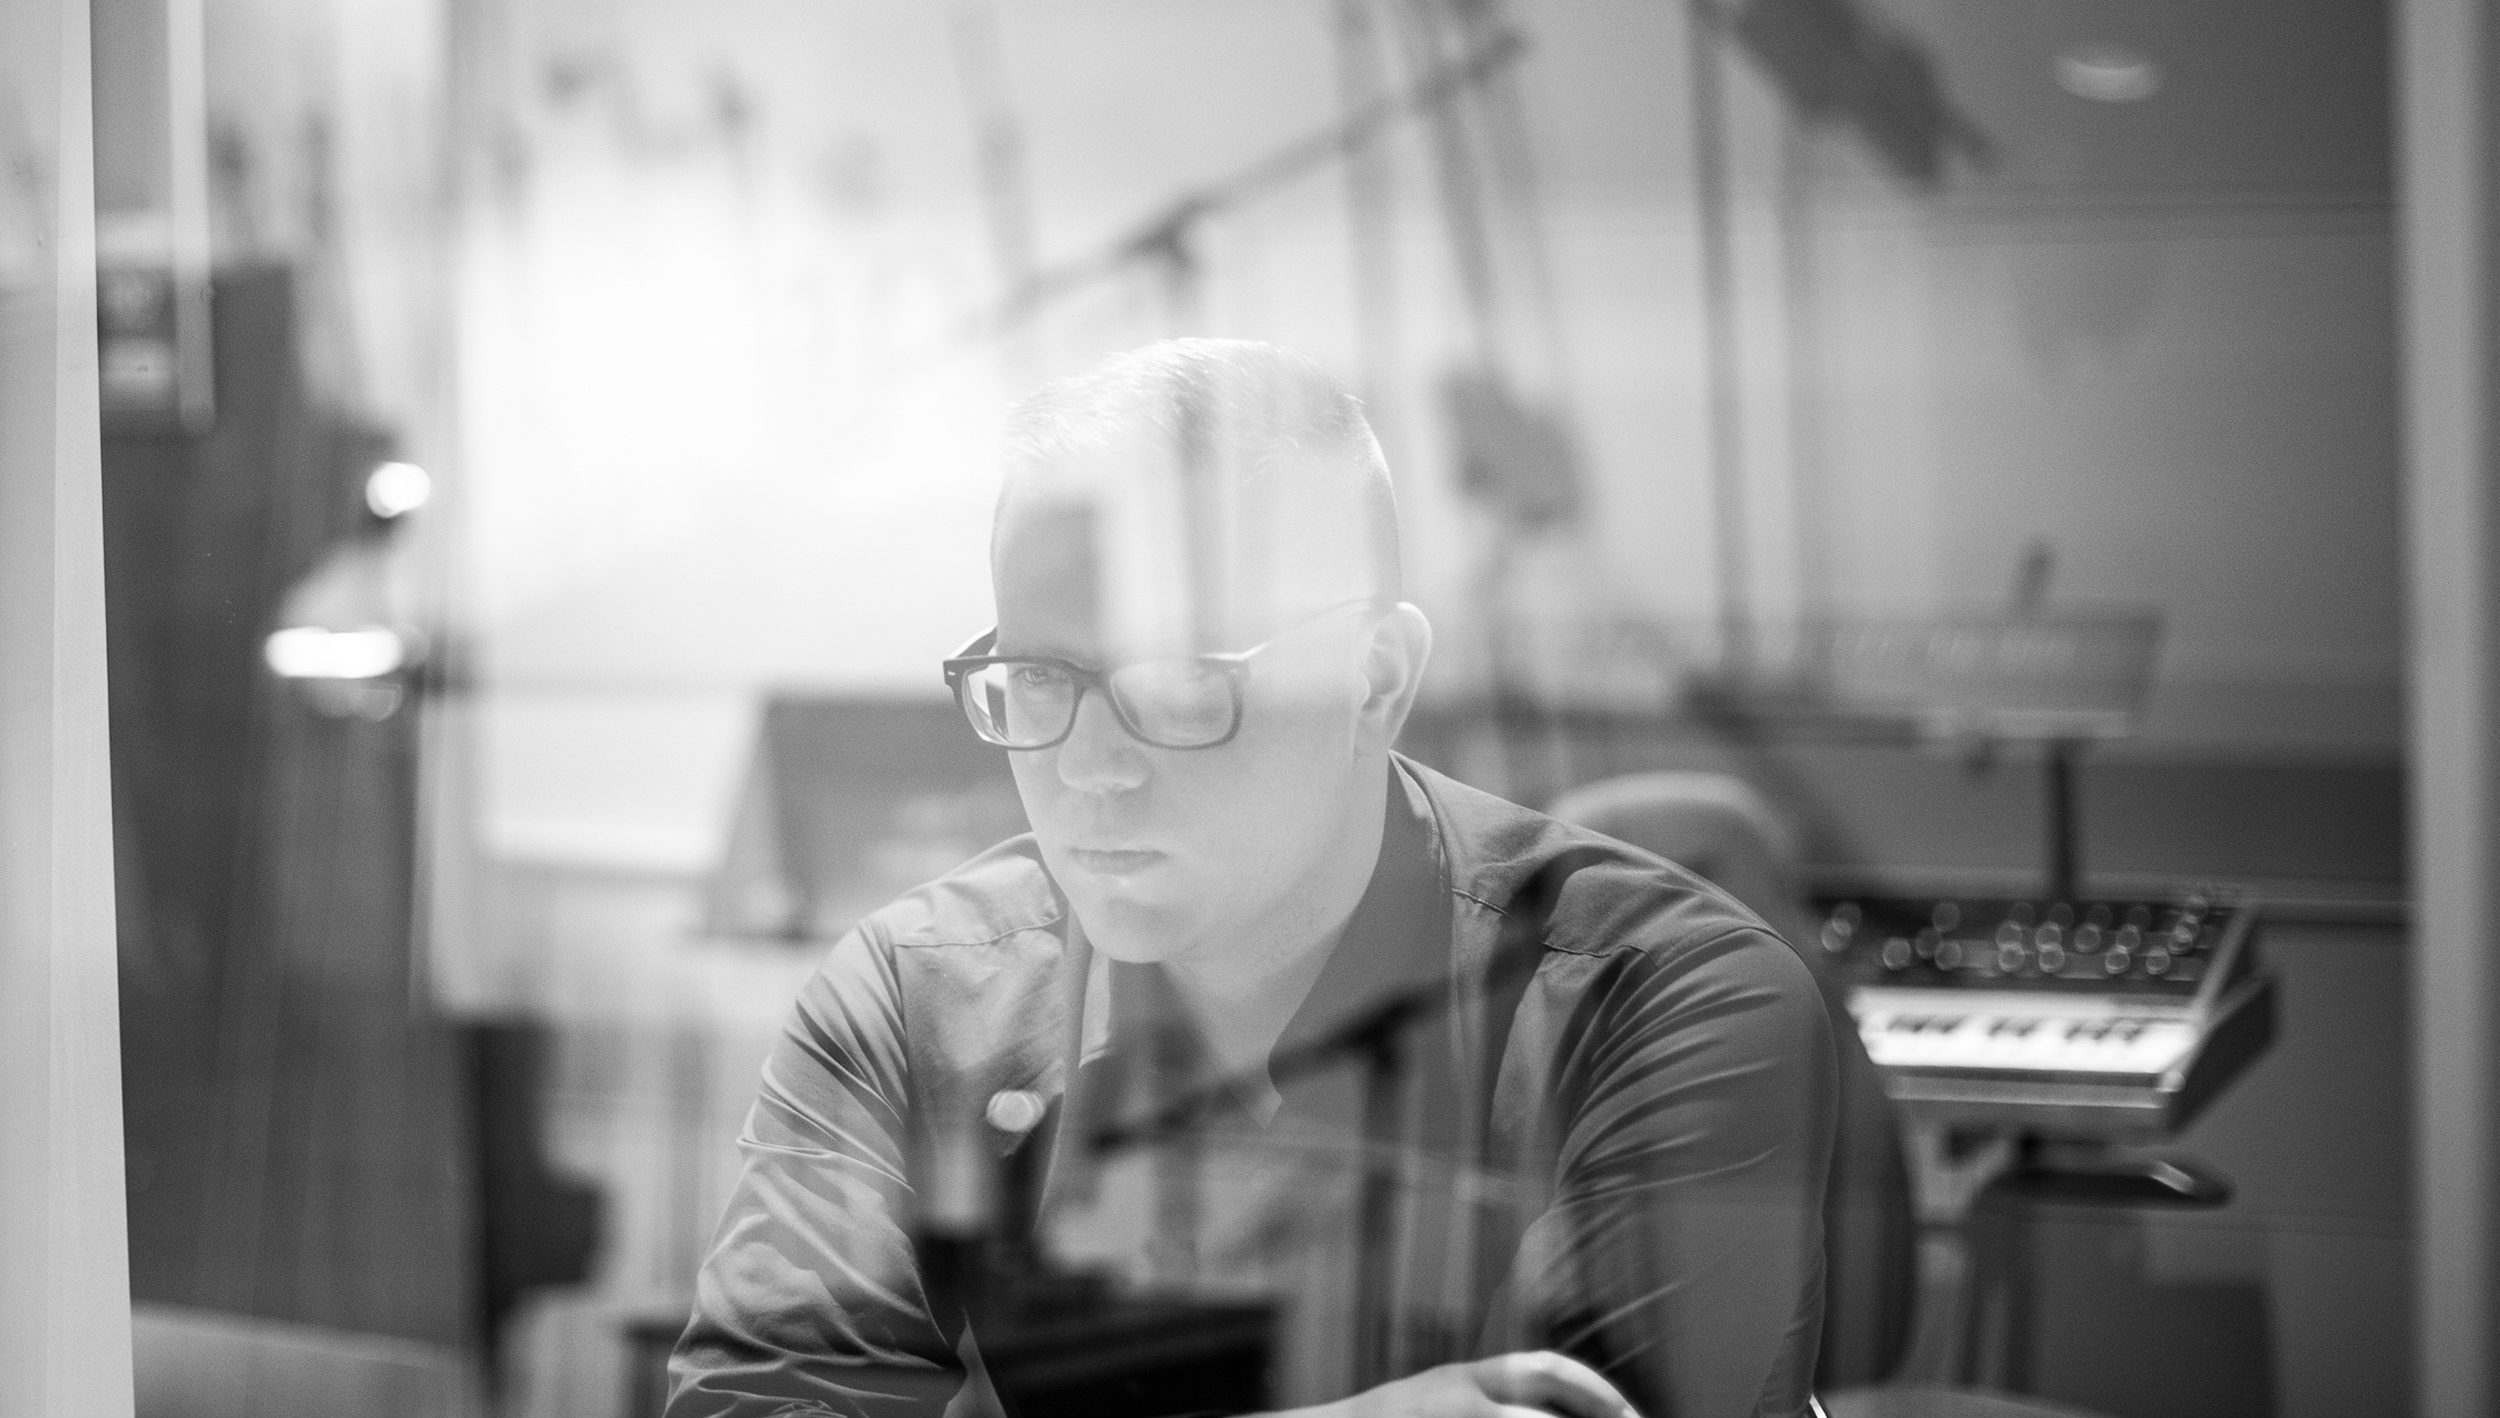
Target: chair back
(1717, 827)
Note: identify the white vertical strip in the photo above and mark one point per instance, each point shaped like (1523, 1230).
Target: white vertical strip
(1759, 151)
(64, 1258)
(186, 150)
(2446, 158)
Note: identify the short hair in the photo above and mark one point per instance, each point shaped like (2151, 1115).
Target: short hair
(1285, 444)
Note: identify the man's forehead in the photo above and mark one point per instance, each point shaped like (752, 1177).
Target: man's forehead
(1077, 571)
(1152, 552)
(1046, 573)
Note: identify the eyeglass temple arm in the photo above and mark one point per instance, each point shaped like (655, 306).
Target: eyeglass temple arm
(980, 644)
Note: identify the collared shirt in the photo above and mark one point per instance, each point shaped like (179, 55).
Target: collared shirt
(1261, 1196)
(1601, 1090)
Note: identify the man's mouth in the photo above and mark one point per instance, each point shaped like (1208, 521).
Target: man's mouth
(1114, 861)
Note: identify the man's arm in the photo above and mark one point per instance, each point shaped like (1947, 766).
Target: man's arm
(809, 1300)
(1682, 1254)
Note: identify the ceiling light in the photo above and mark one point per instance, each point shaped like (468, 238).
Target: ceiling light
(2108, 73)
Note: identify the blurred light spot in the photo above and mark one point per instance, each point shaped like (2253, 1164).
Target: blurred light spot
(2108, 73)
(1014, 1110)
(314, 652)
(396, 489)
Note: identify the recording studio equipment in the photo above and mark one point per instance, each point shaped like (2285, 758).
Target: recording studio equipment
(2108, 1020)
(1057, 1341)
(1165, 239)
(1513, 457)
(1141, 1357)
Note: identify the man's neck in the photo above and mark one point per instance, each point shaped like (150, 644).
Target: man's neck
(1243, 992)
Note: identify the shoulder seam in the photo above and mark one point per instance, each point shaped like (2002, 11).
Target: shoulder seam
(1054, 918)
(1546, 941)
(1740, 928)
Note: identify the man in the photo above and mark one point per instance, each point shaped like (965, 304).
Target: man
(1608, 1089)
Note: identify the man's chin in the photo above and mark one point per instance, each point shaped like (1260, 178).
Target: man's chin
(1132, 950)
(1130, 929)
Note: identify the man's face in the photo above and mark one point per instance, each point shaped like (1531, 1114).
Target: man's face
(1164, 852)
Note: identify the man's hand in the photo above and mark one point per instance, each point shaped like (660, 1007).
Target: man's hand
(1538, 1385)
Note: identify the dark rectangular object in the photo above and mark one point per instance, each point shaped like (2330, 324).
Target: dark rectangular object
(1126, 1359)
(1136, 1359)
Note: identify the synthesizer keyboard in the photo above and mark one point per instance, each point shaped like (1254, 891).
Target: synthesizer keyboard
(2101, 1019)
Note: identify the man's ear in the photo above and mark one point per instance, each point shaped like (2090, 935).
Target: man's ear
(1393, 669)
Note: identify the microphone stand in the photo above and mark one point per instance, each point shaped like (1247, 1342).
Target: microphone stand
(1164, 237)
(1377, 1038)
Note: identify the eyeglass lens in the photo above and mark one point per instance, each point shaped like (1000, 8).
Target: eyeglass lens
(1028, 703)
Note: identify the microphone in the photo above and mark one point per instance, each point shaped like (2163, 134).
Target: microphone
(977, 1179)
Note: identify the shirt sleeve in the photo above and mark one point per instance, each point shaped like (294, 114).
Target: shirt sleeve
(809, 1300)
(1682, 1252)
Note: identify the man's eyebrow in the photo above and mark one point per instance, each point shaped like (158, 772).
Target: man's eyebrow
(1036, 650)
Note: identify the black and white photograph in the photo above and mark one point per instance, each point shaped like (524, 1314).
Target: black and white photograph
(1202, 708)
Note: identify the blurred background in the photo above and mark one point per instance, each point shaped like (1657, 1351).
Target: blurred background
(548, 447)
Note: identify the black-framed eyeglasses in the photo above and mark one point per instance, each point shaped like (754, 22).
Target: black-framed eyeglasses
(1186, 701)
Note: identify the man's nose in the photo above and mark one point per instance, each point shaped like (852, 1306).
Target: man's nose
(1099, 756)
